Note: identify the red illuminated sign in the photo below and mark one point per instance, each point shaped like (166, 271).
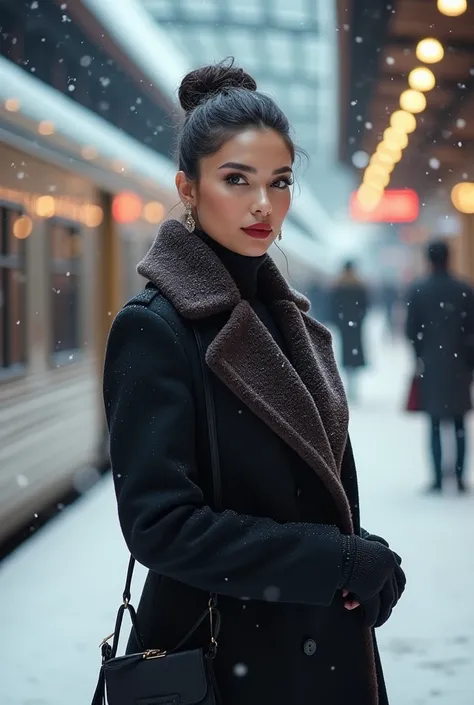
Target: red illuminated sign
(396, 206)
(126, 207)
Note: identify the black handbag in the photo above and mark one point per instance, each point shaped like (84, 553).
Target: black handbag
(173, 677)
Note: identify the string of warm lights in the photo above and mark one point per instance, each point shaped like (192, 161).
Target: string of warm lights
(395, 139)
(127, 206)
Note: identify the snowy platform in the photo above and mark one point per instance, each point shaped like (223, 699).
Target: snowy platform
(59, 592)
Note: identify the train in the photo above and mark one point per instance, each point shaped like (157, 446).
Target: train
(80, 203)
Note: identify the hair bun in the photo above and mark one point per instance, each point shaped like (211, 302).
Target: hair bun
(201, 84)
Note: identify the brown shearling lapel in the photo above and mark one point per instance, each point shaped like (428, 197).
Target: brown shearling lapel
(246, 358)
(302, 401)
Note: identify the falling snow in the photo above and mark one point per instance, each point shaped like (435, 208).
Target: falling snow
(240, 670)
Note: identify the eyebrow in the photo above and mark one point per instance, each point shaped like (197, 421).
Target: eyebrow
(251, 169)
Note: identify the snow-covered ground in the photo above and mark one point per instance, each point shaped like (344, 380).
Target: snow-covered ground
(59, 592)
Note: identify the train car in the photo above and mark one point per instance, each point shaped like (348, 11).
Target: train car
(80, 203)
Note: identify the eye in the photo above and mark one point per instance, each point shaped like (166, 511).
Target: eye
(283, 183)
(235, 180)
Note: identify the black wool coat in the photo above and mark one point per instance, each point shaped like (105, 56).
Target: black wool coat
(289, 485)
(349, 302)
(440, 325)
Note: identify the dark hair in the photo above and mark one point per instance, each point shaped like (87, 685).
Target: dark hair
(438, 254)
(349, 265)
(220, 101)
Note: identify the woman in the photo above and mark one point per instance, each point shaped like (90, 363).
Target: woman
(349, 308)
(285, 556)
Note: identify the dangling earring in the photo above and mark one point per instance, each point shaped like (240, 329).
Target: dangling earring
(189, 222)
(280, 236)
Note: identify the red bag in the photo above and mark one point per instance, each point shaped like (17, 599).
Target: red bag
(413, 402)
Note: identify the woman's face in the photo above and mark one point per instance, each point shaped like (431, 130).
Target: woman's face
(243, 193)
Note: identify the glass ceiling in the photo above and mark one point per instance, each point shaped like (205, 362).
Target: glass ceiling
(289, 46)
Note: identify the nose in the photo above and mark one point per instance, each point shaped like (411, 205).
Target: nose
(262, 205)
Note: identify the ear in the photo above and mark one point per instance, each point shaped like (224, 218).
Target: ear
(186, 188)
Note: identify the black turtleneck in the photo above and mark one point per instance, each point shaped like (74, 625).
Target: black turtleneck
(244, 271)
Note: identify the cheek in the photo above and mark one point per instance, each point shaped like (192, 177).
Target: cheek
(218, 198)
(281, 203)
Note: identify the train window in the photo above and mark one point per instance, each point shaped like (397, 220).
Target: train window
(12, 294)
(66, 261)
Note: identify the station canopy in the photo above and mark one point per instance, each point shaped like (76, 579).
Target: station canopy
(290, 48)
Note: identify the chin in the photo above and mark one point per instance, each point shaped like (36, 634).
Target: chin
(255, 249)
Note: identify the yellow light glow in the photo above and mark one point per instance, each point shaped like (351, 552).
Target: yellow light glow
(386, 163)
(93, 215)
(369, 197)
(46, 127)
(462, 196)
(422, 79)
(13, 105)
(452, 8)
(387, 154)
(430, 51)
(395, 139)
(412, 101)
(403, 121)
(45, 207)
(154, 212)
(375, 175)
(89, 152)
(22, 227)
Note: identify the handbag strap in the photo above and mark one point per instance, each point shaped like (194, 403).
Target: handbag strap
(212, 612)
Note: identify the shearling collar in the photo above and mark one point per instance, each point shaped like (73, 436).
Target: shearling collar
(179, 256)
(300, 397)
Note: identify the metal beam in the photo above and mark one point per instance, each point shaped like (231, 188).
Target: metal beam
(369, 22)
(182, 19)
(450, 45)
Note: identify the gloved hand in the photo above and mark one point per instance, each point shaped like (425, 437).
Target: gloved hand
(378, 609)
(368, 566)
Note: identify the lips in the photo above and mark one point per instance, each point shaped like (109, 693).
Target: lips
(259, 230)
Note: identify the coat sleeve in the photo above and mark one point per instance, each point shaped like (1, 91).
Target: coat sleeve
(168, 528)
(413, 329)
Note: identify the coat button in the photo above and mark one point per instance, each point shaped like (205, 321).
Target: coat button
(309, 647)
(299, 492)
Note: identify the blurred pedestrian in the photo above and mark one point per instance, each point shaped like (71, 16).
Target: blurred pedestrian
(299, 585)
(440, 326)
(389, 298)
(349, 303)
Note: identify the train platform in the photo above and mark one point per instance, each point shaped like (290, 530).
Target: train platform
(59, 591)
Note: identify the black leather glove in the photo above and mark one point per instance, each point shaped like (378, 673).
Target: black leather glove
(368, 565)
(378, 609)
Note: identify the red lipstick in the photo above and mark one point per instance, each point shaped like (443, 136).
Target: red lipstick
(259, 230)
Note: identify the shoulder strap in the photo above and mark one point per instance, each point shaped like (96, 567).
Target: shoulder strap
(154, 304)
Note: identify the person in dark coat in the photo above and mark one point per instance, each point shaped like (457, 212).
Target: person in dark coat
(440, 326)
(349, 308)
(300, 585)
